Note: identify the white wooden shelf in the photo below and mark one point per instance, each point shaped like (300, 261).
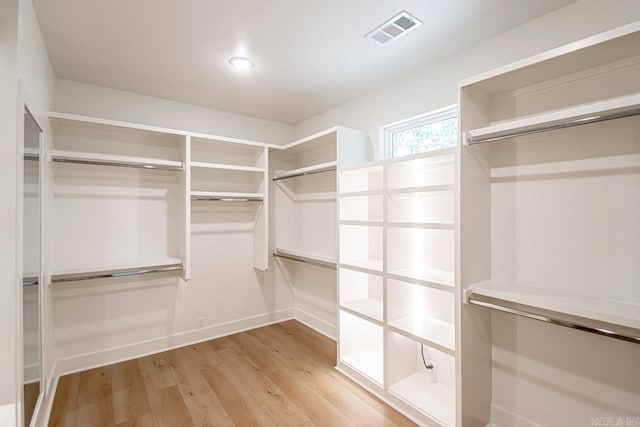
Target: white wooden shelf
(361, 193)
(375, 223)
(432, 332)
(307, 258)
(367, 361)
(368, 265)
(114, 160)
(434, 399)
(371, 308)
(308, 170)
(421, 189)
(568, 117)
(153, 265)
(612, 312)
(438, 277)
(226, 196)
(221, 166)
(431, 225)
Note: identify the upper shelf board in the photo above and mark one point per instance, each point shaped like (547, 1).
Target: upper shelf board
(609, 109)
(113, 160)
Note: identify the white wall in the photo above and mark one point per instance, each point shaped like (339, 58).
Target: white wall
(85, 99)
(8, 213)
(543, 375)
(436, 85)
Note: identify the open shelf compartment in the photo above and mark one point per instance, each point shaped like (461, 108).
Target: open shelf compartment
(423, 313)
(431, 207)
(431, 391)
(361, 208)
(361, 346)
(215, 154)
(361, 293)
(421, 254)
(361, 246)
(435, 169)
(364, 179)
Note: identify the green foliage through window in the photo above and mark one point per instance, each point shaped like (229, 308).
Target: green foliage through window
(425, 137)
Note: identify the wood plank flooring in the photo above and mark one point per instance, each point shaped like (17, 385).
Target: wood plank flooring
(280, 375)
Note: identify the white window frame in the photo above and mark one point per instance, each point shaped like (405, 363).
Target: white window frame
(438, 115)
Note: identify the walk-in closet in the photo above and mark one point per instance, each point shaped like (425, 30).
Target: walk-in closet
(320, 213)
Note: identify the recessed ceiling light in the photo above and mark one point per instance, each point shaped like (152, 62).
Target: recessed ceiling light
(241, 63)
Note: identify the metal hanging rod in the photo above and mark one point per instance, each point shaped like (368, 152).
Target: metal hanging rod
(304, 173)
(122, 164)
(122, 272)
(545, 127)
(226, 199)
(30, 281)
(32, 157)
(542, 316)
(304, 259)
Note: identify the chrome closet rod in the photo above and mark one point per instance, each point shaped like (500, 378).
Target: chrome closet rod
(294, 175)
(118, 164)
(528, 130)
(506, 308)
(226, 199)
(123, 272)
(306, 260)
(30, 281)
(32, 157)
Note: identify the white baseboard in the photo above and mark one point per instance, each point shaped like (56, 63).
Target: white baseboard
(503, 417)
(82, 362)
(45, 404)
(315, 323)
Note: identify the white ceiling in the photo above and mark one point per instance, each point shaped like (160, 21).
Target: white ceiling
(310, 55)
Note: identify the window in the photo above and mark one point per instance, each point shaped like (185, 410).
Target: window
(432, 131)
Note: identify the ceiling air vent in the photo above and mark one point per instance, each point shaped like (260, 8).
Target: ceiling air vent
(395, 27)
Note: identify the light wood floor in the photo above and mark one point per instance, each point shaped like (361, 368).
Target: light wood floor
(280, 375)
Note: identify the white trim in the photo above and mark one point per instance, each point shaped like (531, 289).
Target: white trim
(554, 53)
(123, 353)
(138, 126)
(321, 326)
(309, 138)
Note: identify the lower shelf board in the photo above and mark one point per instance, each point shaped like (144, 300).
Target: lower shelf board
(368, 264)
(434, 331)
(434, 399)
(367, 361)
(369, 307)
(439, 277)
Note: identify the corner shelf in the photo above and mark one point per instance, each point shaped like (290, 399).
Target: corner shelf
(308, 170)
(319, 261)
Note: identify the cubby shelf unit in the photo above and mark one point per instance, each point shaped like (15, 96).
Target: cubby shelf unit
(549, 197)
(397, 278)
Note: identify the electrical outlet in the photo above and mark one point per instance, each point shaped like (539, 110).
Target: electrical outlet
(432, 371)
(200, 322)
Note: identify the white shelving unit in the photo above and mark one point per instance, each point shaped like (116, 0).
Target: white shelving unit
(304, 187)
(397, 282)
(106, 176)
(229, 187)
(550, 196)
